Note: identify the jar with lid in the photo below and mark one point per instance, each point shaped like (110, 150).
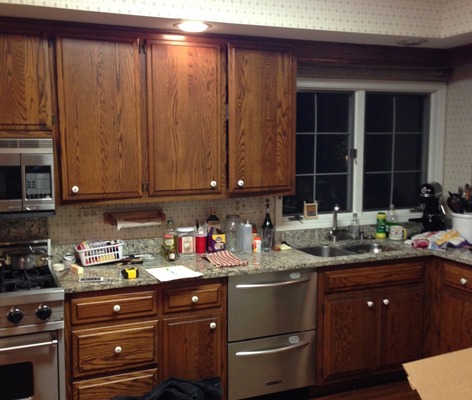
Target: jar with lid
(231, 231)
(186, 240)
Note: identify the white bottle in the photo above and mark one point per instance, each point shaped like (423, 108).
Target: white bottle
(247, 238)
(354, 228)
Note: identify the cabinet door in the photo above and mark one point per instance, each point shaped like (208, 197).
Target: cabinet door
(456, 320)
(193, 348)
(100, 122)
(401, 338)
(349, 334)
(186, 116)
(25, 85)
(261, 99)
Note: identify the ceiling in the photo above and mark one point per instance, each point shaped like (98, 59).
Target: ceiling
(58, 14)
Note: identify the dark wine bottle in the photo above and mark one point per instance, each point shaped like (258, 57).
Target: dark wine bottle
(267, 229)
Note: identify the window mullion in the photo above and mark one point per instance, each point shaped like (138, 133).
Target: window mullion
(358, 143)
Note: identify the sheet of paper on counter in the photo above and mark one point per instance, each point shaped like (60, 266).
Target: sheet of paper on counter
(165, 274)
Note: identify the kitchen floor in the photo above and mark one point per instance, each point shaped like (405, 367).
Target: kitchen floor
(392, 391)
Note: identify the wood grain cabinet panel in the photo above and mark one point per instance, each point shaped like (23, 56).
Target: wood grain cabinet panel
(130, 384)
(193, 298)
(114, 348)
(261, 120)
(113, 307)
(26, 103)
(186, 118)
(99, 96)
(456, 307)
(370, 320)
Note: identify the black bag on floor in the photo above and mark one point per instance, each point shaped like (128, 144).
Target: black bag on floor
(182, 389)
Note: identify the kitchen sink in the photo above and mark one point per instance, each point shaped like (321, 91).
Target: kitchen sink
(325, 251)
(367, 248)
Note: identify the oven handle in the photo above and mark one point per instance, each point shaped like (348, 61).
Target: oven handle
(269, 285)
(272, 351)
(52, 342)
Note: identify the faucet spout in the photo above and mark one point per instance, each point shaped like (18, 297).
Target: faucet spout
(335, 216)
(334, 230)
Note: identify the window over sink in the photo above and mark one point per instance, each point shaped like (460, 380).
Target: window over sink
(364, 145)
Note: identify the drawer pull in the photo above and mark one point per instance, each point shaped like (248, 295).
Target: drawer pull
(212, 325)
(370, 304)
(386, 301)
(463, 281)
(118, 349)
(116, 308)
(194, 299)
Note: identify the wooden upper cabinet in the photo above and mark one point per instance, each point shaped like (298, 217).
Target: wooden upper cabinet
(26, 105)
(99, 96)
(186, 118)
(261, 121)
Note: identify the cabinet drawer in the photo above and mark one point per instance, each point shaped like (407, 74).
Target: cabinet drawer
(113, 307)
(114, 348)
(192, 298)
(373, 276)
(457, 276)
(132, 384)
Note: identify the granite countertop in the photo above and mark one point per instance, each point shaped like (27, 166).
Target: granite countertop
(257, 263)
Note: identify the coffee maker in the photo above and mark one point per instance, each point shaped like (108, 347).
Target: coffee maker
(430, 195)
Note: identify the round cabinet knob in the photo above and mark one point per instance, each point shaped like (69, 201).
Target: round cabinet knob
(370, 304)
(213, 184)
(15, 315)
(212, 325)
(240, 183)
(386, 301)
(75, 189)
(194, 299)
(43, 312)
(116, 308)
(463, 281)
(118, 349)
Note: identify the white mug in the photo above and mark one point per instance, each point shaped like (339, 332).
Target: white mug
(397, 232)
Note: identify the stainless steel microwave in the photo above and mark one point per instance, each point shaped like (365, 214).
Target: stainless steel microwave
(27, 177)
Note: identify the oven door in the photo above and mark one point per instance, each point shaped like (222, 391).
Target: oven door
(29, 367)
(11, 191)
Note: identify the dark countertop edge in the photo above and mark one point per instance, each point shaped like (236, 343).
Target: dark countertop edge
(257, 263)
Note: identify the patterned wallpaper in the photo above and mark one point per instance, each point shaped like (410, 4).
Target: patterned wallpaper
(424, 18)
(458, 141)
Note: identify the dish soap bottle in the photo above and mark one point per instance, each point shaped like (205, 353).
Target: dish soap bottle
(354, 228)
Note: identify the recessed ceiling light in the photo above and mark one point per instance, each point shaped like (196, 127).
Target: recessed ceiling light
(192, 26)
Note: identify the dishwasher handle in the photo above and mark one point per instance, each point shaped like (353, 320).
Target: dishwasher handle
(272, 284)
(271, 351)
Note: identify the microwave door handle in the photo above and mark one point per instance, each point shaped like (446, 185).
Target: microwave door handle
(271, 351)
(270, 285)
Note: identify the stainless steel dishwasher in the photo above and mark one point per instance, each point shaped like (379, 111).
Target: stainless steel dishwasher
(271, 332)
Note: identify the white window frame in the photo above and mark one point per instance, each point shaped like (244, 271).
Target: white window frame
(437, 123)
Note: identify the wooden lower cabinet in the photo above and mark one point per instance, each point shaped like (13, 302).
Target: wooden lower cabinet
(370, 320)
(133, 384)
(456, 307)
(124, 342)
(205, 358)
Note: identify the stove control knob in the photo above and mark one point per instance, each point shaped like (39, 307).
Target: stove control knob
(15, 315)
(43, 312)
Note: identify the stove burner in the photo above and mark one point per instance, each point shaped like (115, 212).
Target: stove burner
(20, 280)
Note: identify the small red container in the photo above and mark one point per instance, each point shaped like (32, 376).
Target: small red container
(201, 243)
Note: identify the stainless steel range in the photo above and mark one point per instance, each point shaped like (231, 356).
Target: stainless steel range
(31, 327)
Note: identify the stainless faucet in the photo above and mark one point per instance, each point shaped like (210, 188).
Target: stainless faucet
(334, 230)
